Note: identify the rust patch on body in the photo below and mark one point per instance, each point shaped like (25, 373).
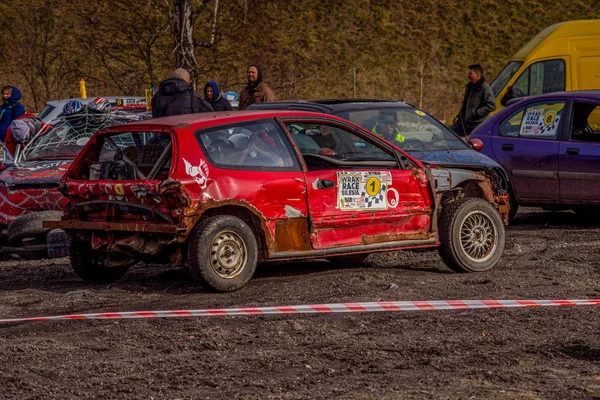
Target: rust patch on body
(192, 214)
(292, 234)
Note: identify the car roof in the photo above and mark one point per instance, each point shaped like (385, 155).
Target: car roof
(221, 117)
(572, 94)
(57, 102)
(329, 106)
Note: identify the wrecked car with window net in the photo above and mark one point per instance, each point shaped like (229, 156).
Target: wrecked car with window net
(223, 192)
(37, 155)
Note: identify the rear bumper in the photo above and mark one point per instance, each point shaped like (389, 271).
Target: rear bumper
(114, 226)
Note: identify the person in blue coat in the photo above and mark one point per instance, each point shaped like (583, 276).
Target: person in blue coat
(215, 98)
(10, 109)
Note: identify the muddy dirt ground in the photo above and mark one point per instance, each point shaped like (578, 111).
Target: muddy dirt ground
(541, 353)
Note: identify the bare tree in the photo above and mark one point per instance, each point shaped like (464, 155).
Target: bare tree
(184, 19)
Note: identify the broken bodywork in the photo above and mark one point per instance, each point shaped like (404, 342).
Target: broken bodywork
(223, 194)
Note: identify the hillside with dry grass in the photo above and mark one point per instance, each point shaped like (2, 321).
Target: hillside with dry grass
(412, 51)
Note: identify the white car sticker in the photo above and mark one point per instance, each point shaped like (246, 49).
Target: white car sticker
(363, 190)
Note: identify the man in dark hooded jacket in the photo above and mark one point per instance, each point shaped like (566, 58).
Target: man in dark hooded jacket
(256, 91)
(10, 109)
(215, 98)
(175, 96)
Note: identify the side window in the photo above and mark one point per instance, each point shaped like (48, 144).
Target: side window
(335, 143)
(535, 121)
(541, 77)
(256, 145)
(511, 125)
(585, 125)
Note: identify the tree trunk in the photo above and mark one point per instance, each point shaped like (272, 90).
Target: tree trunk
(183, 33)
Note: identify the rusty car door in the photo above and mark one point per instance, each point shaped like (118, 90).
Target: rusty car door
(357, 193)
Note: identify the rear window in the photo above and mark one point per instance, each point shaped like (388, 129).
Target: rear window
(129, 156)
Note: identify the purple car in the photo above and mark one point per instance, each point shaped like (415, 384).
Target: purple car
(550, 147)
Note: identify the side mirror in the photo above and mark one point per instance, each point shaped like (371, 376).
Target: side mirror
(511, 93)
(476, 144)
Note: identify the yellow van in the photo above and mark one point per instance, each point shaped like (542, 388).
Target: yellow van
(565, 56)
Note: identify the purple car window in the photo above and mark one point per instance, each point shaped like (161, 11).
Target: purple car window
(536, 121)
(585, 126)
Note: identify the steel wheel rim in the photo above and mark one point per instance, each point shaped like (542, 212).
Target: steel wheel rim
(228, 254)
(478, 236)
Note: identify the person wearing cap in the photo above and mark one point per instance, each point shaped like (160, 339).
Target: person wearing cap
(256, 91)
(215, 98)
(387, 127)
(176, 96)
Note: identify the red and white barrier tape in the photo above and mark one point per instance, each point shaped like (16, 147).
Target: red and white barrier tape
(322, 308)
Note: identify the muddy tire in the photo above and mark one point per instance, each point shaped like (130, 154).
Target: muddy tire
(30, 225)
(57, 241)
(342, 261)
(35, 252)
(222, 253)
(471, 235)
(87, 266)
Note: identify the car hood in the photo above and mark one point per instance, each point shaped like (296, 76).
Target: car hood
(454, 158)
(43, 173)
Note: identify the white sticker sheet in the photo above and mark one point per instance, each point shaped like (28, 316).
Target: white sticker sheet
(541, 120)
(363, 190)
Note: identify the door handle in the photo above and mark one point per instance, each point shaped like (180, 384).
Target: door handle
(325, 184)
(508, 146)
(573, 151)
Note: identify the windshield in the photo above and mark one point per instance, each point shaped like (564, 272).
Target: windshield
(46, 111)
(64, 138)
(504, 76)
(414, 129)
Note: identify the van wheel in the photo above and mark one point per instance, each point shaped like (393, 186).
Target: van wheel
(471, 235)
(222, 253)
(87, 265)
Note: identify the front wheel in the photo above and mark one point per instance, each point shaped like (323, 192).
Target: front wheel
(471, 235)
(223, 253)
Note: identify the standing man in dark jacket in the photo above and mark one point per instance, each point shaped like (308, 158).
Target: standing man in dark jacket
(175, 96)
(10, 109)
(215, 98)
(256, 91)
(477, 104)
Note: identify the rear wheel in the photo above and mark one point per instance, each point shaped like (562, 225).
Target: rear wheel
(471, 235)
(222, 253)
(88, 266)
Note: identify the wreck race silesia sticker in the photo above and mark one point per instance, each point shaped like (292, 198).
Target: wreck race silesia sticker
(363, 190)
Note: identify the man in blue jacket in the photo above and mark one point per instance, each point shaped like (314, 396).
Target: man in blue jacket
(10, 109)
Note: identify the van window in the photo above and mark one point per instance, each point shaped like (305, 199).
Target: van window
(504, 76)
(541, 77)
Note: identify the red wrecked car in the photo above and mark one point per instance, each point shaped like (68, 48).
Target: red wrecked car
(221, 192)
